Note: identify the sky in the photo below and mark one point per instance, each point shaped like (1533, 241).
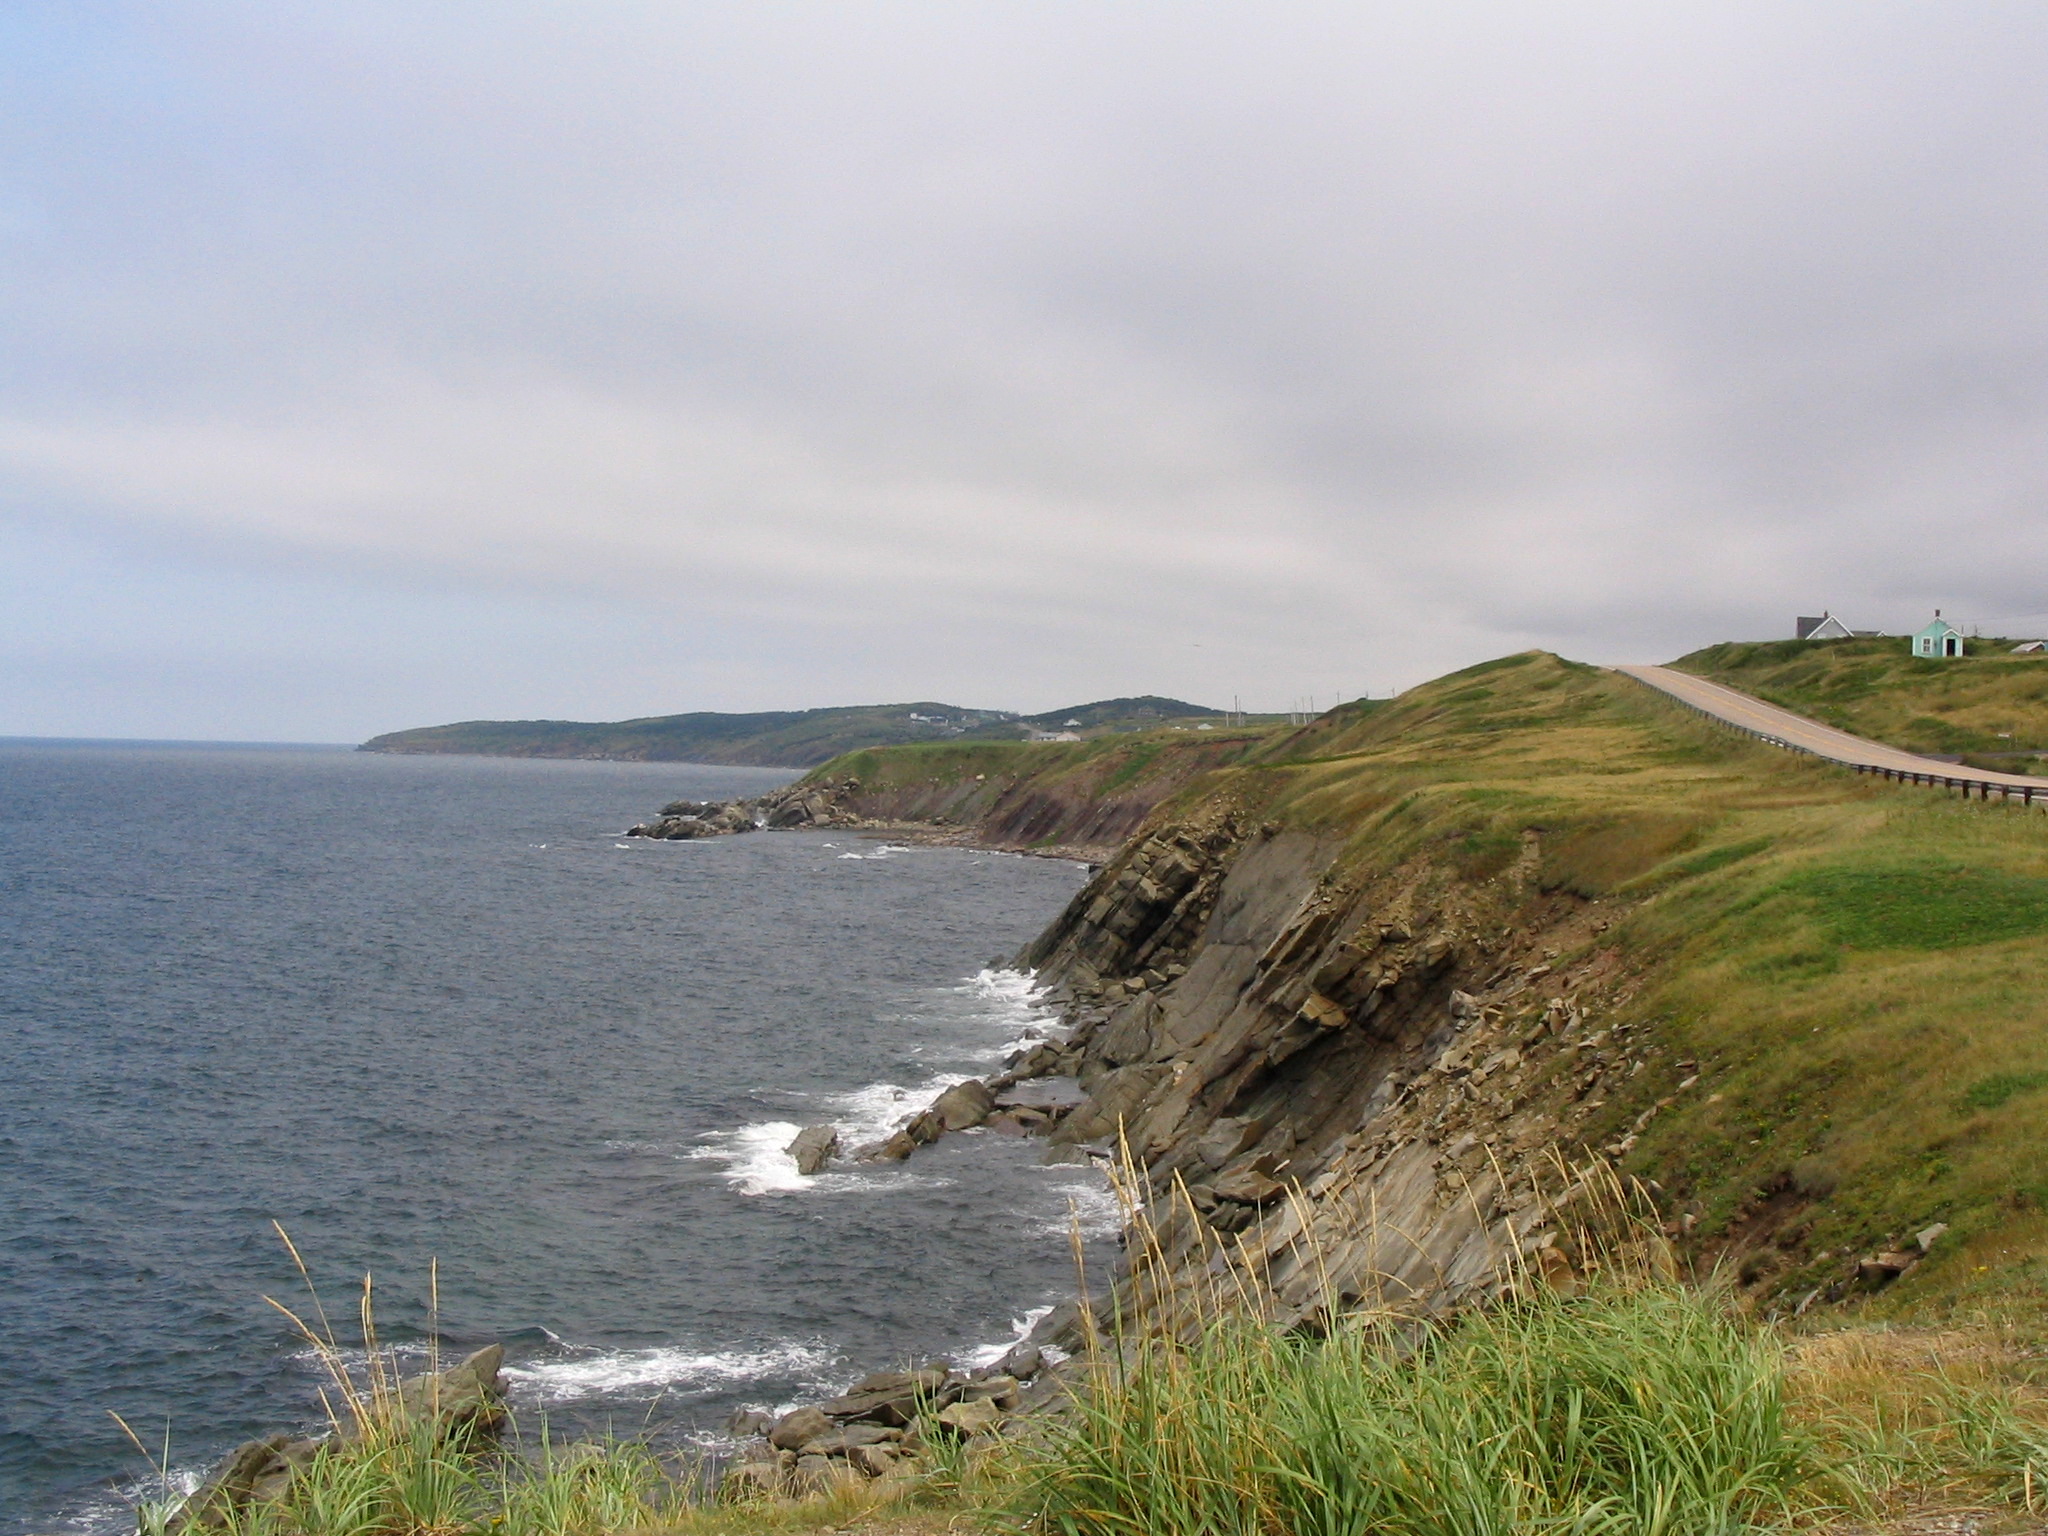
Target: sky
(372, 365)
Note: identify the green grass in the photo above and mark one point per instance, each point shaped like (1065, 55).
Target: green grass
(1646, 1411)
(1718, 858)
(1995, 1091)
(1924, 906)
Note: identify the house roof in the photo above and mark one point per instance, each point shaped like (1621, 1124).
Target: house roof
(1826, 627)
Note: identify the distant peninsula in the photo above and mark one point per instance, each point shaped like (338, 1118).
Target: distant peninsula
(800, 738)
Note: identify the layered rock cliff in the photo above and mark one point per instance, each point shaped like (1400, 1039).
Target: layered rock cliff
(1385, 1010)
(1373, 1087)
(1081, 799)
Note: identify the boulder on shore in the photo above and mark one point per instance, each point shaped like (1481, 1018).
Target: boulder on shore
(892, 1398)
(258, 1472)
(964, 1105)
(465, 1398)
(968, 1419)
(799, 1427)
(814, 1147)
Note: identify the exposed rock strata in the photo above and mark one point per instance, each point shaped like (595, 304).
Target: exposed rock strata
(1079, 819)
(1358, 1091)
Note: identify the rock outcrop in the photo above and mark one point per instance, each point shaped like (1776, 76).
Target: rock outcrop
(1079, 803)
(875, 1430)
(1356, 1090)
(803, 804)
(814, 1147)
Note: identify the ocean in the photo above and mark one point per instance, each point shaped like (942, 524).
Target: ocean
(438, 1021)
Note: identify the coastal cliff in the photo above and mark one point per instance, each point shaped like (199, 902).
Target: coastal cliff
(1370, 1004)
(1079, 799)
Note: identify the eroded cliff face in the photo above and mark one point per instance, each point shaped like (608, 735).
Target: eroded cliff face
(1079, 799)
(1369, 1088)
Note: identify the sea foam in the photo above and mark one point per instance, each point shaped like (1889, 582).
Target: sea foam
(647, 1372)
(1005, 1009)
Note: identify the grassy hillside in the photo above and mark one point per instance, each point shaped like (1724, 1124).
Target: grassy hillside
(1086, 796)
(776, 738)
(800, 738)
(1142, 713)
(1856, 972)
(1989, 706)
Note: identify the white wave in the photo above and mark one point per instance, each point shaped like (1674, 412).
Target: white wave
(757, 1160)
(989, 1354)
(853, 856)
(1092, 1206)
(755, 1157)
(1014, 1003)
(113, 1513)
(1005, 985)
(871, 1113)
(630, 1370)
(1008, 1012)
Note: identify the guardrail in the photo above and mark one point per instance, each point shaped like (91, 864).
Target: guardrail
(1964, 782)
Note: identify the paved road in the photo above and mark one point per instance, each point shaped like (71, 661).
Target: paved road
(1796, 731)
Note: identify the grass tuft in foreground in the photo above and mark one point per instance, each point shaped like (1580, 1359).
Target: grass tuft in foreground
(1644, 1410)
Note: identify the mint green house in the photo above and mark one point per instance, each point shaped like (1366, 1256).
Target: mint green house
(1940, 638)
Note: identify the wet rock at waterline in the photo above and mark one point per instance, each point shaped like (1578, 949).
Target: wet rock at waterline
(802, 804)
(964, 1106)
(467, 1398)
(814, 1147)
(256, 1473)
(1026, 1099)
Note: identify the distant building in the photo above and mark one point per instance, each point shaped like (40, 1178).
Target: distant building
(1054, 736)
(1940, 638)
(2030, 647)
(1826, 627)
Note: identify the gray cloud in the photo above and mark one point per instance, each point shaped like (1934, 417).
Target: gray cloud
(1020, 353)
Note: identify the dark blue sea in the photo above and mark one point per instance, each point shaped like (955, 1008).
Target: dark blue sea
(429, 1009)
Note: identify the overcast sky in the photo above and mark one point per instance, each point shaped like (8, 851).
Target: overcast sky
(370, 365)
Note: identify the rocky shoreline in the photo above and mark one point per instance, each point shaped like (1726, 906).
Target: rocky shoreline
(881, 1428)
(838, 806)
(878, 1431)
